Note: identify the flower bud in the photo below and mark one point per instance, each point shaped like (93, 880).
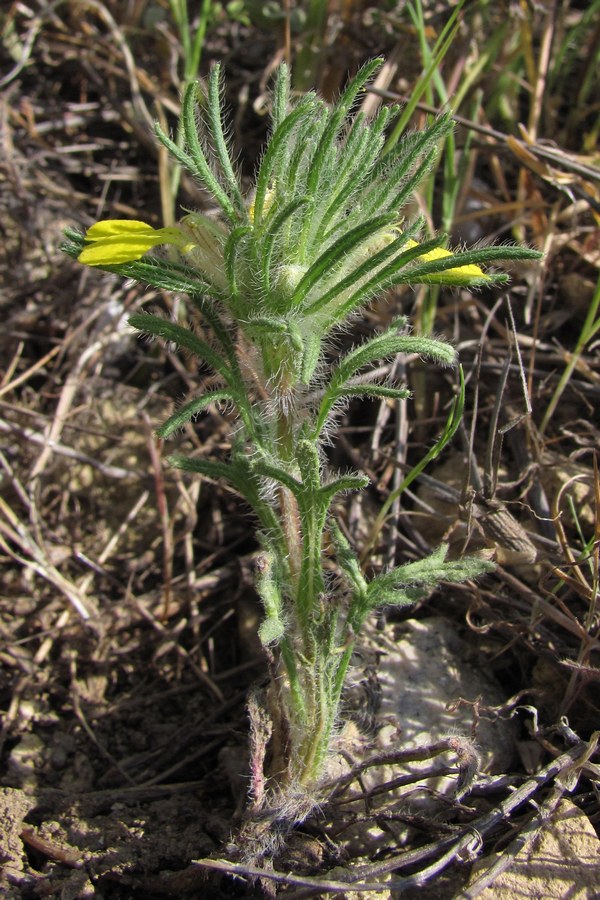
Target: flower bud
(204, 247)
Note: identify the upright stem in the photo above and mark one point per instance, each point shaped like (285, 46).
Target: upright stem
(309, 715)
(290, 515)
(313, 747)
(290, 520)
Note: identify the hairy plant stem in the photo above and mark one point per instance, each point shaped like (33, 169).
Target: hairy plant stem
(307, 704)
(298, 757)
(290, 514)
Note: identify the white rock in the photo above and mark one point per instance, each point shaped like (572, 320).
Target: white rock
(564, 861)
(423, 671)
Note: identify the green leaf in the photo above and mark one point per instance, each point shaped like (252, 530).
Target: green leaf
(310, 467)
(428, 269)
(272, 628)
(409, 582)
(347, 559)
(358, 154)
(277, 146)
(373, 262)
(184, 338)
(239, 475)
(230, 252)
(155, 271)
(215, 123)
(343, 484)
(384, 277)
(199, 166)
(281, 95)
(209, 467)
(310, 357)
(191, 409)
(381, 347)
(337, 252)
(269, 325)
(370, 391)
(396, 177)
(268, 469)
(273, 234)
(374, 391)
(336, 120)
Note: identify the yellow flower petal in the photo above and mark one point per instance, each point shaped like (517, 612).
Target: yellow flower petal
(457, 275)
(112, 227)
(116, 241)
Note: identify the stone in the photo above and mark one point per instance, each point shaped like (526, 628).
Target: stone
(563, 861)
(423, 671)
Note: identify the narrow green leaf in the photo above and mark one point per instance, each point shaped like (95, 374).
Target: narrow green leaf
(359, 152)
(371, 264)
(386, 345)
(310, 358)
(310, 466)
(230, 251)
(272, 628)
(381, 347)
(273, 233)
(412, 182)
(160, 273)
(334, 254)
(347, 558)
(406, 596)
(184, 338)
(292, 176)
(336, 120)
(266, 324)
(281, 96)
(407, 583)
(215, 122)
(183, 158)
(210, 468)
(374, 391)
(371, 391)
(277, 145)
(384, 277)
(191, 409)
(425, 269)
(343, 484)
(268, 469)
(238, 474)
(396, 177)
(200, 166)
(209, 313)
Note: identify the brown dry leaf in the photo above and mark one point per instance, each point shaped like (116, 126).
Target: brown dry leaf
(525, 151)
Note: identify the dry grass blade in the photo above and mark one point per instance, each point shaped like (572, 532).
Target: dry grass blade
(15, 534)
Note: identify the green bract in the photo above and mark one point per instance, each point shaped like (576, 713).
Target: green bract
(272, 275)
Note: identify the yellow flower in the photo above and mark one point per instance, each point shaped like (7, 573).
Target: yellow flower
(267, 203)
(457, 275)
(116, 241)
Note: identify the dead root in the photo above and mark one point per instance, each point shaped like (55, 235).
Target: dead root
(495, 804)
